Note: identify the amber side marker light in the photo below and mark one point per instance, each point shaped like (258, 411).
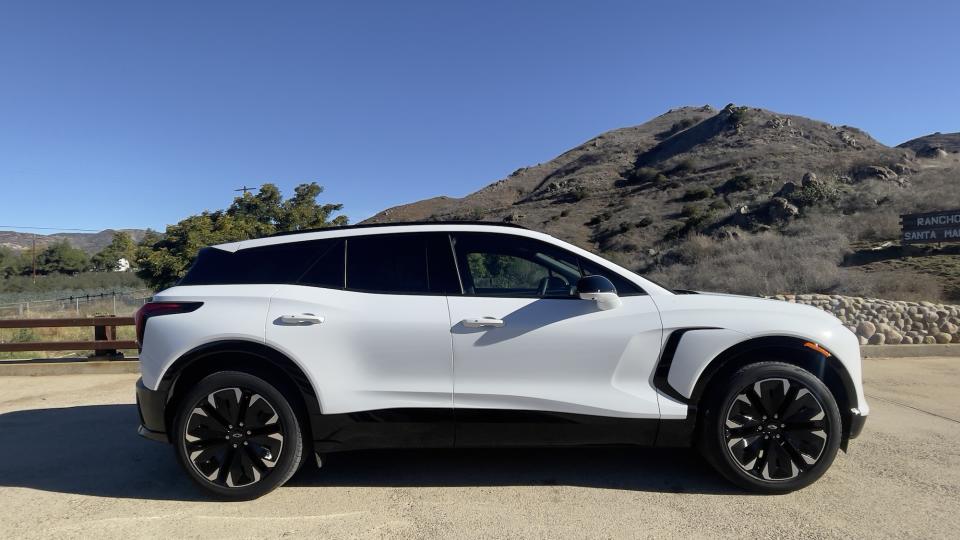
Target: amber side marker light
(817, 348)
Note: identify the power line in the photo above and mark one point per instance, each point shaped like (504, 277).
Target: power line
(49, 228)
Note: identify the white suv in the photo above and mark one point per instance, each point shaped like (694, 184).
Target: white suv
(447, 335)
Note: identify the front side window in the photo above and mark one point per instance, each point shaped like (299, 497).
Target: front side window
(513, 266)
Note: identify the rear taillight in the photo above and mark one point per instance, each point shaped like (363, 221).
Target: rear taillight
(154, 309)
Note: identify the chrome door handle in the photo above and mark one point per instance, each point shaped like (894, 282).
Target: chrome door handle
(481, 322)
(306, 319)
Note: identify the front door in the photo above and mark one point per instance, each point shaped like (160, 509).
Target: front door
(533, 363)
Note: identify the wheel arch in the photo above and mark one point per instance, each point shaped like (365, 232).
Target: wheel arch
(238, 355)
(791, 350)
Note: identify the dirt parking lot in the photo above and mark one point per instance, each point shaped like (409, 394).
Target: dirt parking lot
(74, 467)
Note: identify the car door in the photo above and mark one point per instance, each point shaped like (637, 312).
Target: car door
(375, 340)
(535, 364)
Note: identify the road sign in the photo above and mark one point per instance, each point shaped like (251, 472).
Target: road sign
(930, 227)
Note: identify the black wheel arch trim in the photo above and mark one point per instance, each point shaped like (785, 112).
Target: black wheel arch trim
(276, 362)
(662, 371)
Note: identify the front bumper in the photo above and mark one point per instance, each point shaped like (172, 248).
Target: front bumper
(857, 421)
(151, 406)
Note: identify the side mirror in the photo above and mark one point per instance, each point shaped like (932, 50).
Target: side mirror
(600, 290)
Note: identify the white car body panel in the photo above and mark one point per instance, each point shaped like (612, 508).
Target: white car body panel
(229, 312)
(558, 355)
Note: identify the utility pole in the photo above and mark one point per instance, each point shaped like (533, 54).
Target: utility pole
(34, 258)
(245, 189)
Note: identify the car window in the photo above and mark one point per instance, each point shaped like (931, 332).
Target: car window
(328, 270)
(624, 286)
(275, 263)
(389, 263)
(513, 266)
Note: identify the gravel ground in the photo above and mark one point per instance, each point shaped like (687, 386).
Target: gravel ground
(75, 468)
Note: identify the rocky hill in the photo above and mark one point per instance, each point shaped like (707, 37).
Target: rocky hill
(928, 145)
(740, 199)
(89, 242)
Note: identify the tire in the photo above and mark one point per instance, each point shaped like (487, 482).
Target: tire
(770, 427)
(254, 457)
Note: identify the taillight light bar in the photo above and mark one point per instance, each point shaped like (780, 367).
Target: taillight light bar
(155, 309)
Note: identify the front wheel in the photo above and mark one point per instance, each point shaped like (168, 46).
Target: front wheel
(771, 427)
(237, 436)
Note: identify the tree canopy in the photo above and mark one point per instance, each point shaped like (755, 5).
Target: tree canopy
(61, 257)
(164, 259)
(121, 247)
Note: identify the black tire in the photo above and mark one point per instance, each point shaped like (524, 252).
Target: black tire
(262, 438)
(770, 427)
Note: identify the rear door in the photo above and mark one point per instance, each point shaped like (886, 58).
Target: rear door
(369, 322)
(535, 364)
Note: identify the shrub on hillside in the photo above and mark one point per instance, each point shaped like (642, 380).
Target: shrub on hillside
(754, 264)
(579, 193)
(677, 127)
(644, 175)
(697, 194)
(685, 166)
(890, 285)
(741, 182)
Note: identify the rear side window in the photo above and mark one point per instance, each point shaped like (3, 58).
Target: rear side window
(277, 263)
(394, 263)
(328, 270)
(418, 263)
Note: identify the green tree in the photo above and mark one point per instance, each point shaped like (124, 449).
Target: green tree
(11, 263)
(121, 247)
(60, 257)
(162, 260)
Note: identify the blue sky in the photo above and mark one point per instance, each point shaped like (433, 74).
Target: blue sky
(137, 114)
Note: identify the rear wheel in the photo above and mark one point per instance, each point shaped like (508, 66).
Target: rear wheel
(237, 435)
(771, 427)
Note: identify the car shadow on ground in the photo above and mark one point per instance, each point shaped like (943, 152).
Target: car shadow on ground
(94, 450)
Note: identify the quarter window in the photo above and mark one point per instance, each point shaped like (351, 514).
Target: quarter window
(275, 264)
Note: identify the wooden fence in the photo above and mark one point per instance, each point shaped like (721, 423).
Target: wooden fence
(104, 343)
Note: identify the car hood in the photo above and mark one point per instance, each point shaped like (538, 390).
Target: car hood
(744, 312)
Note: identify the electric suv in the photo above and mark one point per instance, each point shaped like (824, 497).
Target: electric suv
(447, 335)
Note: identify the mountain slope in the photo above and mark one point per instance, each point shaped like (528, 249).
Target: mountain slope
(91, 243)
(739, 178)
(949, 142)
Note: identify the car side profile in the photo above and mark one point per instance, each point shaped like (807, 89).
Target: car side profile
(441, 335)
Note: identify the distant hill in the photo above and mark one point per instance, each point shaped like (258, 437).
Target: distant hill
(91, 243)
(949, 142)
(675, 195)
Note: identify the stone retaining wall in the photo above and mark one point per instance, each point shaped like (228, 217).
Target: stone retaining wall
(888, 322)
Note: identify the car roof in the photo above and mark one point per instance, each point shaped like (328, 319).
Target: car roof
(365, 229)
(398, 224)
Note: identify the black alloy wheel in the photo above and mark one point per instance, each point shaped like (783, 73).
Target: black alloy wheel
(234, 437)
(237, 435)
(776, 429)
(771, 427)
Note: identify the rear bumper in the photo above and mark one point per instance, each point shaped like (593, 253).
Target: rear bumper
(151, 406)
